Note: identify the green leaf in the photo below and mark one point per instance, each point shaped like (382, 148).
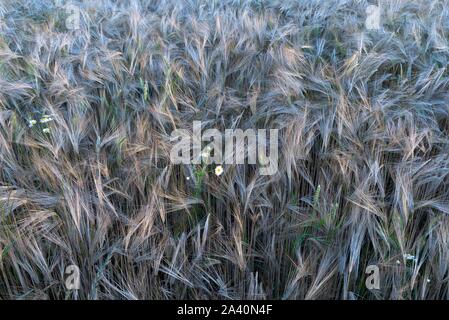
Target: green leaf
(6, 250)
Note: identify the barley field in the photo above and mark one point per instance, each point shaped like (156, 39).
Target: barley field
(90, 92)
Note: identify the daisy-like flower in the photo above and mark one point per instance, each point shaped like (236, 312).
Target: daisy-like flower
(218, 170)
(46, 119)
(428, 280)
(187, 178)
(46, 130)
(31, 123)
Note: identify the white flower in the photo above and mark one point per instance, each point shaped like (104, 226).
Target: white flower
(408, 256)
(205, 155)
(46, 130)
(31, 123)
(188, 178)
(428, 280)
(218, 170)
(46, 119)
(398, 262)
